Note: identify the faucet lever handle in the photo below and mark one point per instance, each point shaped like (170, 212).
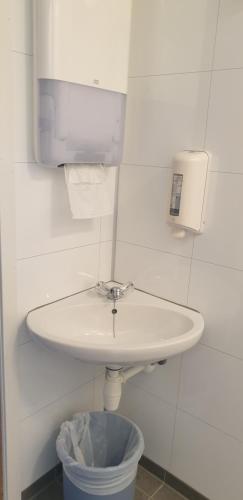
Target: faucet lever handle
(127, 287)
(102, 288)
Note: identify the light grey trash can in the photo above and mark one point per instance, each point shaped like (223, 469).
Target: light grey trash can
(100, 452)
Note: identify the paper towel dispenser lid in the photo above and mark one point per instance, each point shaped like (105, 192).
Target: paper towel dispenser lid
(78, 124)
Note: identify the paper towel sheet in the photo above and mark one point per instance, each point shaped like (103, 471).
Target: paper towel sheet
(91, 190)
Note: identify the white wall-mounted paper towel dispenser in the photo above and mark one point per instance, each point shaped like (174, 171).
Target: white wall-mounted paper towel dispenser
(188, 192)
(81, 50)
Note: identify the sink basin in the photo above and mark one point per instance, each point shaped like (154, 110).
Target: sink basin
(144, 329)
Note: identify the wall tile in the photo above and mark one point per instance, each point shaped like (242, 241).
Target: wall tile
(39, 433)
(48, 226)
(106, 257)
(163, 382)
(46, 278)
(143, 210)
(222, 240)
(225, 121)
(211, 389)
(217, 293)
(207, 459)
(53, 373)
(159, 273)
(228, 53)
(98, 392)
(151, 417)
(21, 17)
(181, 36)
(165, 115)
(107, 224)
(22, 96)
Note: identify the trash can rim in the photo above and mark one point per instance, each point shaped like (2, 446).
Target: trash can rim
(124, 464)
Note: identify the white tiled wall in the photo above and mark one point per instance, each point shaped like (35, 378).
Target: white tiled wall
(185, 91)
(56, 257)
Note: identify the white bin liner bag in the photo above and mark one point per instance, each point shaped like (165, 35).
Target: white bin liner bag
(100, 452)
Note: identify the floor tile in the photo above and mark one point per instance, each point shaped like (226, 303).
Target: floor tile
(52, 492)
(166, 493)
(147, 482)
(149, 488)
(139, 495)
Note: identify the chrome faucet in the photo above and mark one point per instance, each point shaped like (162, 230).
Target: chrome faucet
(114, 292)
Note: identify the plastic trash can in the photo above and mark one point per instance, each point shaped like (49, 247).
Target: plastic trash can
(100, 452)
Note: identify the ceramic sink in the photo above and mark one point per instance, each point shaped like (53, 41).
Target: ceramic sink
(142, 329)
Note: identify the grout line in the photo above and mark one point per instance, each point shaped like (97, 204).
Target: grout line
(169, 404)
(219, 430)
(224, 266)
(155, 493)
(214, 70)
(211, 78)
(190, 270)
(155, 75)
(187, 257)
(217, 70)
(80, 386)
(176, 411)
(220, 351)
(150, 474)
(134, 164)
(216, 34)
(61, 251)
(115, 226)
(28, 162)
(141, 491)
(196, 72)
(189, 279)
(22, 53)
(146, 165)
(227, 172)
(99, 251)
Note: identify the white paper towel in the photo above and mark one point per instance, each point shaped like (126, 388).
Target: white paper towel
(91, 190)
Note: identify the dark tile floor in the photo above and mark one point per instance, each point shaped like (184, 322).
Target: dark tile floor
(148, 487)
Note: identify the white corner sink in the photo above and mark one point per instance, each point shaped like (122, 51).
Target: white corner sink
(145, 328)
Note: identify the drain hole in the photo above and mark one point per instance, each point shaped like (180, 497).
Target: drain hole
(114, 311)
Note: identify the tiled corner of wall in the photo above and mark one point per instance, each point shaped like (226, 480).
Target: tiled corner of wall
(162, 274)
(185, 91)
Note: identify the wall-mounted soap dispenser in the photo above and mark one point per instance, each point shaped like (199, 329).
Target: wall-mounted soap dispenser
(81, 50)
(188, 192)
